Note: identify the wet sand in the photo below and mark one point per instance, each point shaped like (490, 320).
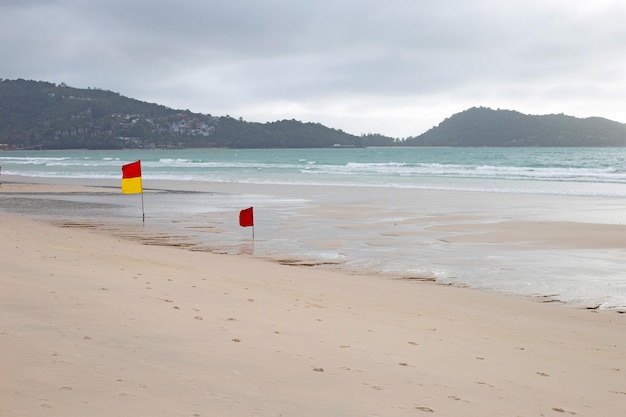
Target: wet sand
(564, 248)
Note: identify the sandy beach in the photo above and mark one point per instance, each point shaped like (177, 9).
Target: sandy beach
(95, 324)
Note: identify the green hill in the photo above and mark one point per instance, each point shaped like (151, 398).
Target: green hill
(43, 115)
(480, 126)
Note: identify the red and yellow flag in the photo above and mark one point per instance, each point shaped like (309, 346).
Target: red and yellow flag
(131, 178)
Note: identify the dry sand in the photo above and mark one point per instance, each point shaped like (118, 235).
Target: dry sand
(94, 325)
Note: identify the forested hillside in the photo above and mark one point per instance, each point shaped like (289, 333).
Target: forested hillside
(42, 115)
(480, 126)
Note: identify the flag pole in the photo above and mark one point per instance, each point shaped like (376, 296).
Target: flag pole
(143, 213)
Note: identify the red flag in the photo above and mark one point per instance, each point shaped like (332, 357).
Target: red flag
(131, 170)
(246, 217)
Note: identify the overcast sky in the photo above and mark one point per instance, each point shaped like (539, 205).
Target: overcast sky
(395, 67)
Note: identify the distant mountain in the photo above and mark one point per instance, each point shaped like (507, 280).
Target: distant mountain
(480, 126)
(43, 115)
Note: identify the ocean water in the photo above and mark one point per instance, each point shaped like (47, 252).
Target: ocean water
(378, 210)
(570, 171)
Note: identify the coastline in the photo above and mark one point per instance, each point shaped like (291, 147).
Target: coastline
(102, 325)
(545, 247)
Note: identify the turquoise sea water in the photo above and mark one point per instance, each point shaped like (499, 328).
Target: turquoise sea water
(374, 209)
(570, 171)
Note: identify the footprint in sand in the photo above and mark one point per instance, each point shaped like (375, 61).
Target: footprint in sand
(45, 404)
(561, 410)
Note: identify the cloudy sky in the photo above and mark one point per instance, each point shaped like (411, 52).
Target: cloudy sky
(395, 67)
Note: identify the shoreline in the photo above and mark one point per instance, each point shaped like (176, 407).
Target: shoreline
(555, 237)
(101, 325)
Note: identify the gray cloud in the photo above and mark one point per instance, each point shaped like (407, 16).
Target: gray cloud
(395, 67)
